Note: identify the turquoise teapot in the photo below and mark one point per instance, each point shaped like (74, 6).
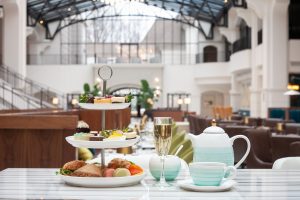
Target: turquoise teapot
(214, 145)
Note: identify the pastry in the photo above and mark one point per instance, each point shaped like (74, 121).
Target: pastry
(96, 138)
(102, 100)
(89, 170)
(95, 133)
(82, 136)
(118, 99)
(82, 127)
(130, 135)
(120, 172)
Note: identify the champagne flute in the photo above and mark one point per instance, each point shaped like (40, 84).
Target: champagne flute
(163, 137)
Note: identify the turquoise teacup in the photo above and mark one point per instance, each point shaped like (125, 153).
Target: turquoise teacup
(210, 173)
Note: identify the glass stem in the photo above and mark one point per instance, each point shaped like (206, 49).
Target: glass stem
(162, 179)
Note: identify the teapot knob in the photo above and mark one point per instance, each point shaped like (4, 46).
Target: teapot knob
(213, 122)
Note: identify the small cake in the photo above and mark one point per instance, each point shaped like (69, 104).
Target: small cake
(118, 99)
(96, 138)
(95, 133)
(102, 100)
(82, 136)
(130, 135)
(82, 127)
(120, 172)
(90, 100)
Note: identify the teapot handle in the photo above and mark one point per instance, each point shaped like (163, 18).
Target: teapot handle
(247, 151)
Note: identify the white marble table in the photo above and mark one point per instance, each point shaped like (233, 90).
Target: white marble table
(44, 184)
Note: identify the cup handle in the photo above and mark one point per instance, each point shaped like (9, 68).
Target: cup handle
(247, 151)
(230, 173)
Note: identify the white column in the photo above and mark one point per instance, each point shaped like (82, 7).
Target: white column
(255, 89)
(275, 52)
(235, 94)
(14, 36)
(191, 39)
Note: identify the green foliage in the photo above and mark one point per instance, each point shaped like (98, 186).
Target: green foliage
(146, 95)
(64, 172)
(178, 139)
(87, 89)
(83, 98)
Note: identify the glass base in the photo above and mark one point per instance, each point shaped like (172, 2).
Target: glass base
(162, 185)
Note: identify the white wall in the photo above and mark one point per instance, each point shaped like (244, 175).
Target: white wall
(70, 78)
(240, 61)
(64, 78)
(180, 78)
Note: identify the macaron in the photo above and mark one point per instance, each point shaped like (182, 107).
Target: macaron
(120, 172)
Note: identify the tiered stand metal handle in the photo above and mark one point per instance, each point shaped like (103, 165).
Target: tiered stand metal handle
(105, 73)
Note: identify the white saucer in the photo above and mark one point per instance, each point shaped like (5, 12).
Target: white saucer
(189, 185)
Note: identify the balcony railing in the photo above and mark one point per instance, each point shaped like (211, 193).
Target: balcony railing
(175, 57)
(241, 44)
(47, 97)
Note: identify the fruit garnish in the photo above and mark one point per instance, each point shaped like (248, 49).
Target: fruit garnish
(117, 133)
(135, 169)
(126, 130)
(114, 136)
(105, 133)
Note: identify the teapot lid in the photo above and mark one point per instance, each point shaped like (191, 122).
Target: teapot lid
(214, 129)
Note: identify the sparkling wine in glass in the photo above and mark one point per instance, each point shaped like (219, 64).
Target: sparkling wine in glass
(163, 137)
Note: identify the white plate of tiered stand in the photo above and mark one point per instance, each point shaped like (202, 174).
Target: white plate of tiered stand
(106, 144)
(103, 181)
(104, 106)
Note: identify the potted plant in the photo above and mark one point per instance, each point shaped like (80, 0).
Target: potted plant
(145, 98)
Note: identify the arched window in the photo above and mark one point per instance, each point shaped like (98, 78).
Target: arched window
(210, 54)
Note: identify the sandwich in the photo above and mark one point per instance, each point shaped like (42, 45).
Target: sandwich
(89, 170)
(71, 166)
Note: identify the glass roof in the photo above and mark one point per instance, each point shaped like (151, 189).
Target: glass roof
(56, 10)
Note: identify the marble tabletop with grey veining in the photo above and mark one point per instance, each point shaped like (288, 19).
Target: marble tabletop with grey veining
(20, 183)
